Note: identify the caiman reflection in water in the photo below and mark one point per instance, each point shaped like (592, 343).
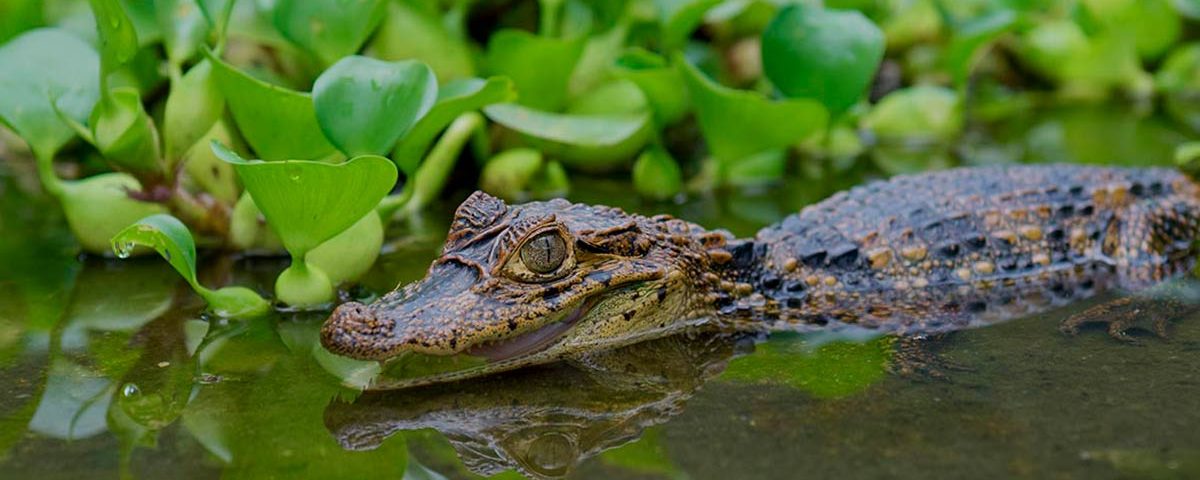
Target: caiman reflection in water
(545, 421)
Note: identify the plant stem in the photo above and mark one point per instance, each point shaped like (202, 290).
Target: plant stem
(45, 169)
(548, 18)
(211, 217)
(431, 177)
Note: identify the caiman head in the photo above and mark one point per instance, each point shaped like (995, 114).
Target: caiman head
(525, 284)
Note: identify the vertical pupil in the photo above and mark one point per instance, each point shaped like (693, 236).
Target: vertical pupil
(544, 253)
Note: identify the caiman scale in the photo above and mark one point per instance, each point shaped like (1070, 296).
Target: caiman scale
(532, 283)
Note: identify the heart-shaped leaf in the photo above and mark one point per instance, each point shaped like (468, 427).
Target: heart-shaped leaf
(737, 124)
(827, 55)
(365, 105)
(540, 67)
(594, 142)
(307, 202)
(330, 29)
(172, 240)
(454, 99)
(278, 123)
(38, 70)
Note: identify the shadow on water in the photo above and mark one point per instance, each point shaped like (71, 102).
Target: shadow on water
(109, 369)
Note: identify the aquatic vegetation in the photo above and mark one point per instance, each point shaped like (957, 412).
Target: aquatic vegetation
(681, 96)
(269, 157)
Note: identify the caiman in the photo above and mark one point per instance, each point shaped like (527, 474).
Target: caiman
(917, 254)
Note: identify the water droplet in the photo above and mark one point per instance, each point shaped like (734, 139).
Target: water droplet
(130, 390)
(125, 249)
(166, 255)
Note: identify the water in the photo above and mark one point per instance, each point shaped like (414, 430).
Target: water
(108, 369)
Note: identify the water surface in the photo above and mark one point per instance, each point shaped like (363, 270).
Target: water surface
(109, 369)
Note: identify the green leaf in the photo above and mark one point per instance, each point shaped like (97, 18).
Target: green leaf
(193, 107)
(680, 17)
(430, 178)
(540, 67)
(41, 69)
(17, 16)
(454, 99)
(760, 168)
(208, 172)
(595, 63)
(593, 142)
(615, 97)
(658, 81)
(970, 41)
(507, 175)
(125, 134)
(550, 182)
(1186, 156)
(348, 255)
(656, 175)
(737, 124)
(329, 29)
(118, 38)
(415, 30)
(278, 123)
(306, 202)
(183, 26)
(826, 55)
(98, 207)
(365, 105)
(172, 240)
(916, 113)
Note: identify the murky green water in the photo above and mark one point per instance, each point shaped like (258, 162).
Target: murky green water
(107, 369)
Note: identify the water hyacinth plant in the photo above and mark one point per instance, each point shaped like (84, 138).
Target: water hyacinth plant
(309, 128)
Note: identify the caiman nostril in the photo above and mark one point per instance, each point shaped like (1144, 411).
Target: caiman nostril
(354, 330)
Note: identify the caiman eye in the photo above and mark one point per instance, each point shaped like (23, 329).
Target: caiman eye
(544, 253)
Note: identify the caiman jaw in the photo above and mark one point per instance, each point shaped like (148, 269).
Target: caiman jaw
(535, 340)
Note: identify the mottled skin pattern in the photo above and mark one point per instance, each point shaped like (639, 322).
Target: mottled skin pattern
(915, 254)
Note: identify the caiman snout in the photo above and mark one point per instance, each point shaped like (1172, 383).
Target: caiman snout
(353, 330)
(437, 315)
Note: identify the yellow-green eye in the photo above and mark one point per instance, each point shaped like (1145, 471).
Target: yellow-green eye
(544, 253)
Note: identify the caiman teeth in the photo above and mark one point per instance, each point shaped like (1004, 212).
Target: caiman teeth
(538, 339)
